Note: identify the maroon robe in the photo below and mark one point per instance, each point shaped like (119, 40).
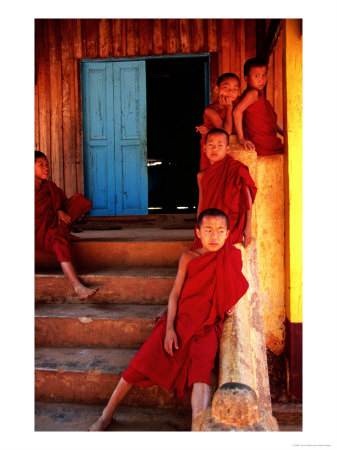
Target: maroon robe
(51, 236)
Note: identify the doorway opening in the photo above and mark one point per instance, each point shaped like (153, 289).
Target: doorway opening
(177, 93)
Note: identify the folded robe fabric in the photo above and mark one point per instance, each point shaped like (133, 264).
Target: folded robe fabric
(51, 236)
(214, 283)
(224, 187)
(259, 124)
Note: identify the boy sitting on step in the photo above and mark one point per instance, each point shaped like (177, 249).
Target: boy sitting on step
(54, 215)
(179, 354)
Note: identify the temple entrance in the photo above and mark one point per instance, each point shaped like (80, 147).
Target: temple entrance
(177, 93)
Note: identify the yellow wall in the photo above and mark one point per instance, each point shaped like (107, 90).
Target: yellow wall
(292, 57)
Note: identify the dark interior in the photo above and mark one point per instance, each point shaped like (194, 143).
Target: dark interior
(176, 95)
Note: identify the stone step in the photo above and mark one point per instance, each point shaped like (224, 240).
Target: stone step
(77, 417)
(116, 285)
(82, 375)
(93, 325)
(139, 247)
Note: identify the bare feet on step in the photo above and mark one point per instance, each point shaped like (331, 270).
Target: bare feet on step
(101, 424)
(85, 292)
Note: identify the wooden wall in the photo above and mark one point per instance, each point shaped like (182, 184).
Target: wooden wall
(62, 43)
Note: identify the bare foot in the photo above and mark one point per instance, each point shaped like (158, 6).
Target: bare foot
(101, 424)
(85, 292)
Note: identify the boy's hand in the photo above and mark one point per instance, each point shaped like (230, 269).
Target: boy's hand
(202, 129)
(63, 216)
(230, 311)
(160, 314)
(170, 340)
(248, 145)
(246, 237)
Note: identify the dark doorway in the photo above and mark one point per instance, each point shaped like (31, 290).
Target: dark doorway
(177, 89)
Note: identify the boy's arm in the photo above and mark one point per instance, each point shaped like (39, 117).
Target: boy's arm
(249, 98)
(247, 231)
(171, 337)
(201, 196)
(279, 128)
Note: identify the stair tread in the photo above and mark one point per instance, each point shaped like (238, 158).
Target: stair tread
(123, 272)
(136, 234)
(97, 310)
(104, 360)
(75, 417)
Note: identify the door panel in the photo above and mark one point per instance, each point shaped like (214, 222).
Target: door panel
(114, 137)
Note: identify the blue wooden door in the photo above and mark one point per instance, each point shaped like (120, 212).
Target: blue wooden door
(114, 137)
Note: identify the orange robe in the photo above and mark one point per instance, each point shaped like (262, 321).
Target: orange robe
(224, 187)
(51, 236)
(214, 283)
(259, 126)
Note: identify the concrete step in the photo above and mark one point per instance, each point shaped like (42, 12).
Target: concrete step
(76, 417)
(93, 325)
(133, 247)
(116, 285)
(82, 375)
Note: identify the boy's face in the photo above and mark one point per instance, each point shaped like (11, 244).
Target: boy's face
(216, 147)
(228, 90)
(41, 169)
(213, 232)
(257, 77)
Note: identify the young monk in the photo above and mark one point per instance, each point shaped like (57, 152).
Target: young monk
(219, 114)
(228, 186)
(54, 215)
(254, 117)
(179, 354)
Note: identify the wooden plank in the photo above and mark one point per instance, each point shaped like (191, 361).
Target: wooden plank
(132, 37)
(157, 37)
(91, 38)
(145, 37)
(77, 33)
(68, 106)
(237, 54)
(185, 35)
(250, 38)
(118, 37)
(242, 53)
(172, 36)
(224, 45)
(78, 128)
(212, 35)
(214, 73)
(232, 45)
(198, 35)
(278, 79)
(270, 83)
(104, 38)
(54, 37)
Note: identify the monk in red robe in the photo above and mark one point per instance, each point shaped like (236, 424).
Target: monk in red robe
(228, 186)
(254, 117)
(219, 114)
(179, 354)
(54, 215)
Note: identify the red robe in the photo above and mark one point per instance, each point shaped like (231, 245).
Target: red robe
(51, 236)
(259, 125)
(224, 187)
(214, 283)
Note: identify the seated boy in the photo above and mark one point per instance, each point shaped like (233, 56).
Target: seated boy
(179, 354)
(254, 117)
(219, 114)
(228, 186)
(54, 215)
